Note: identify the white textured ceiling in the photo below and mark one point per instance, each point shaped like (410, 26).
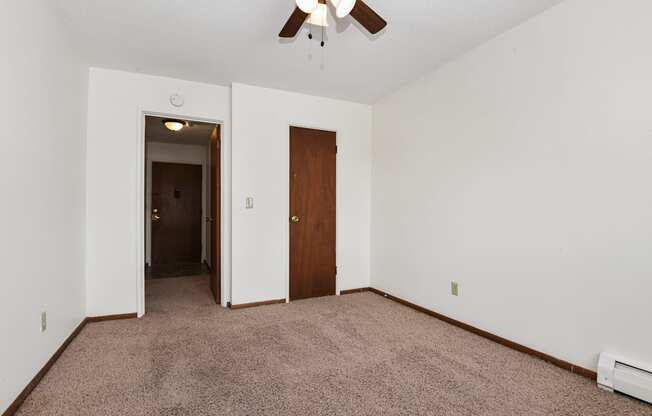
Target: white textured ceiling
(225, 41)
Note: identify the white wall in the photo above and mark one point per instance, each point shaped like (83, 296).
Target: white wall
(115, 254)
(523, 170)
(43, 118)
(175, 153)
(260, 155)
(260, 249)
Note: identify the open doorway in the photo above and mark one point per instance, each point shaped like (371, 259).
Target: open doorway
(182, 210)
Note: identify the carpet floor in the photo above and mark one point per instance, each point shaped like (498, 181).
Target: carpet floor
(165, 271)
(352, 355)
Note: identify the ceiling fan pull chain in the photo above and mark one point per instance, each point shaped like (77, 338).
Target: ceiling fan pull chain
(322, 37)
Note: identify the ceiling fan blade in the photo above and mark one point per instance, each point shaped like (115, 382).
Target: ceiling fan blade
(367, 17)
(293, 24)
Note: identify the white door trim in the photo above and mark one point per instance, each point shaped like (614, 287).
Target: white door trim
(140, 209)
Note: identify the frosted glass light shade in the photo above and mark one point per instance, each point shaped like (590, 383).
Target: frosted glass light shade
(174, 125)
(344, 7)
(307, 6)
(320, 16)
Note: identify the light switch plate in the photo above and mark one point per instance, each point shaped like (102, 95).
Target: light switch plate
(455, 289)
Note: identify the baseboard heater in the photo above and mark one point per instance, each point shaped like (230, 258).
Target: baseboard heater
(624, 376)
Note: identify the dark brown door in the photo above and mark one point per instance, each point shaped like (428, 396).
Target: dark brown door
(176, 213)
(312, 213)
(215, 220)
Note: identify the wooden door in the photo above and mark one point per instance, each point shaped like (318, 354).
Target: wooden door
(176, 213)
(312, 213)
(215, 217)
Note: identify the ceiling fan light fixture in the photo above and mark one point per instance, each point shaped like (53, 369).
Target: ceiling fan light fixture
(344, 7)
(319, 17)
(174, 125)
(371, 21)
(307, 6)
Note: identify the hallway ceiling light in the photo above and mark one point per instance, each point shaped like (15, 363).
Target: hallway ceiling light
(174, 125)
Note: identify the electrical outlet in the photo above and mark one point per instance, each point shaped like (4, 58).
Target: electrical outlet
(44, 321)
(455, 289)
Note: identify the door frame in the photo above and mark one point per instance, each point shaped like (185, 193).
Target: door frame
(287, 207)
(140, 198)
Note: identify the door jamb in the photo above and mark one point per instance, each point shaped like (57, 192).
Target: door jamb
(140, 213)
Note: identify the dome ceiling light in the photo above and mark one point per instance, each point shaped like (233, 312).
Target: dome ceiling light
(174, 125)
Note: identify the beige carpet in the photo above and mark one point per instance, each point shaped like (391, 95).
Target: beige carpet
(352, 355)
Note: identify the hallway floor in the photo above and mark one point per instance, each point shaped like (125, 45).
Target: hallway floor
(165, 271)
(352, 355)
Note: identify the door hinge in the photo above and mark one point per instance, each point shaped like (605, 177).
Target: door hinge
(335, 270)
(336, 149)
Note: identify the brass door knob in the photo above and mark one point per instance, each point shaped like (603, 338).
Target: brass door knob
(295, 219)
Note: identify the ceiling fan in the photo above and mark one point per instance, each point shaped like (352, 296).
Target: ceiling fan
(316, 11)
